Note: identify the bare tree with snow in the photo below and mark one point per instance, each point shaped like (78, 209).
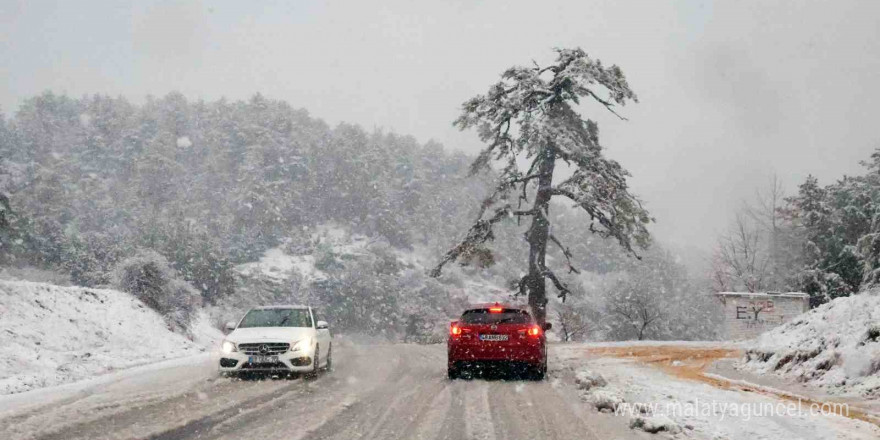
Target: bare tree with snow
(740, 260)
(636, 309)
(573, 322)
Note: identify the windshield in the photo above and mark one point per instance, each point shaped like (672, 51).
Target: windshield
(277, 318)
(506, 316)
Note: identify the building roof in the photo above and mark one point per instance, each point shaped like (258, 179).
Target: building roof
(766, 294)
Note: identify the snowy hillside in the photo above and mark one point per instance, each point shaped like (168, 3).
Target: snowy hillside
(52, 335)
(363, 285)
(301, 259)
(304, 262)
(835, 346)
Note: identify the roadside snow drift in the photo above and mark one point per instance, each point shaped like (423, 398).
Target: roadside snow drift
(52, 335)
(835, 346)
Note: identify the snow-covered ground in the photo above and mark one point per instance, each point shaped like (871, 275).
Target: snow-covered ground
(655, 401)
(280, 263)
(52, 335)
(835, 347)
(276, 265)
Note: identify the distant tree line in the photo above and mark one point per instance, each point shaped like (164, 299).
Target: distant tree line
(822, 240)
(89, 182)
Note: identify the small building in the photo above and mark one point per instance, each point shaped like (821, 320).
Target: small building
(747, 314)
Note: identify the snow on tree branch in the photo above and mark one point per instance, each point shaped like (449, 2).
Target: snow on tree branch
(530, 115)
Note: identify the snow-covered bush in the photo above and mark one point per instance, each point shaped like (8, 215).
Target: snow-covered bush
(89, 257)
(148, 276)
(654, 424)
(605, 400)
(586, 380)
(326, 259)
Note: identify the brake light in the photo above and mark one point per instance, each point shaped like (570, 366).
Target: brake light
(495, 309)
(455, 330)
(535, 330)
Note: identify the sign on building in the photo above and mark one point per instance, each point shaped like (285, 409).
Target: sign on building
(747, 315)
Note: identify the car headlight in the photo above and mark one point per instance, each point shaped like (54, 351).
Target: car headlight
(302, 345)
(228, 347)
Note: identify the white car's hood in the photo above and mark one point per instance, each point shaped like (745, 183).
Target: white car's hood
(269, 334)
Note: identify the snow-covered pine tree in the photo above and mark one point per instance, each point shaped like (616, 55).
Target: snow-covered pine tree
(869, 244)
(829, 259)
(869, 249)
(530, 116)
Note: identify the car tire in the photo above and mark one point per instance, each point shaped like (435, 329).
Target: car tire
(452, 373)
(315, 363)
(329, 363)
(538, 373)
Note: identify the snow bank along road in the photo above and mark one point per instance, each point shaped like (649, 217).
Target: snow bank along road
(374, 392)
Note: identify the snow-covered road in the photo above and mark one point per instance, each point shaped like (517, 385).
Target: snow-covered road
(374, 392)
(382, 392)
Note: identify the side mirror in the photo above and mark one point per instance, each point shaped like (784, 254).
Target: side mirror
(322, 325)
(547, 326)
(230, 326)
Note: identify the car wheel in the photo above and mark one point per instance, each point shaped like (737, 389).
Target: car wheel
(538, 372)
(329, 362)
(316, 362)
(452, 373)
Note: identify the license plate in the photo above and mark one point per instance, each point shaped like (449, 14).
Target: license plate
(262, 359)
(493, 337)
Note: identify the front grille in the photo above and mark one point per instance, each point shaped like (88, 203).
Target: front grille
(264, 348)
(272, 366)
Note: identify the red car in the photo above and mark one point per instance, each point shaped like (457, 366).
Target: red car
(497, 335)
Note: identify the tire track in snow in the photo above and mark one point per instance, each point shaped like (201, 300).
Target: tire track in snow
(453, 426)
(556, 413)
(508, 402)
(478, 411)
(429, 424)
(166, 417)
(390, 410)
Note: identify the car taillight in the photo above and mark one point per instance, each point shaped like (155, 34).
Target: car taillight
(455, 330)
(535, 330)
(496, 309)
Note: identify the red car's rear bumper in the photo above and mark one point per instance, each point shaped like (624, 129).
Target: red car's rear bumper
(531, 352)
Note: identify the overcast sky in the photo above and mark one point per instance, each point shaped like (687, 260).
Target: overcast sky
(730, 92)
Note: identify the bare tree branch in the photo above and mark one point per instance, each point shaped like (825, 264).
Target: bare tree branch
(612, 228)
(560, 286)
(607, 104)
(566, 252)
(479, 233)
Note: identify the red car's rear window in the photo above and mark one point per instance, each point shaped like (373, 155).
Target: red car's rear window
(506, 316)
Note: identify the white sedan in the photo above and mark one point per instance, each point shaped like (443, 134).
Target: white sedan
(277, 339)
